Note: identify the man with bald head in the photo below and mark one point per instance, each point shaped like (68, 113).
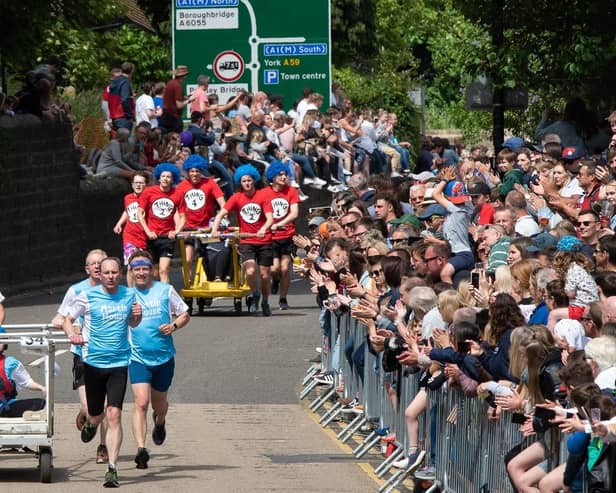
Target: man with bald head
(608, 308)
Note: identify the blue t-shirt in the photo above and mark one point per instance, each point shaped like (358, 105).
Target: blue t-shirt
(148, 345)
(69, 298)
(105, 328)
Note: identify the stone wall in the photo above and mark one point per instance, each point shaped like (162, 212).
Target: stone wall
(48, 222)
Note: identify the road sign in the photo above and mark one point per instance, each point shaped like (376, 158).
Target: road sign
(276, 46)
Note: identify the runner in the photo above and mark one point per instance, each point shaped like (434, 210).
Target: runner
(284, 200)
(93, 262)
(152, 360)
(254, 214)
(107, 310)
(157, 207)
(133, 237)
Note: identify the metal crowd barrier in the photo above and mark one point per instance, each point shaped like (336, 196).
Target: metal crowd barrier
(468, 449)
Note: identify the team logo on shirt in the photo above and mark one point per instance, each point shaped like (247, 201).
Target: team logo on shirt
(195, 199)
(162, 208)
(131, 211)
(281, 208)
(251, 213)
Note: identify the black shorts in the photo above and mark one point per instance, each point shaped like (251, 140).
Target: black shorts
(104, 382)
(262, 253)
(78, 378)
(283, 247)
(161, 247)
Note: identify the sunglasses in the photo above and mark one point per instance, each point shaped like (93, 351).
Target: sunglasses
(376, 273)
(349, 225)
(398, 241)
(584, 223)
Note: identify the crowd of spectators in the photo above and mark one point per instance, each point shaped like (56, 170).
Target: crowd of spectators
(498, 280)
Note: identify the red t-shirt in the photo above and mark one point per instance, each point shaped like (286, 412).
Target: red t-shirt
(281, 203)
(198, 201)
(173, 92)
(486, 215)
(250, 213)
(159, 207)
(133, 232)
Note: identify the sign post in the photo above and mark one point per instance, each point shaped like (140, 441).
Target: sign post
(275, 46)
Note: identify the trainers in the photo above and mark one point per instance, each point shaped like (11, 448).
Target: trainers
(395, 174)
(253, 307)
(427, 473)
(319, 181)
(142, 458)
(80, 420)
(88, 432)
(308, 181)
(283, 304)
(412, 462)
(294, 184)
(275, 286)
(326, 378)
(111, 479)
(348, 408)
(159, 433)
(265, 308)
(102, 457)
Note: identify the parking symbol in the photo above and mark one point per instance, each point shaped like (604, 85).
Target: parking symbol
(270, 77)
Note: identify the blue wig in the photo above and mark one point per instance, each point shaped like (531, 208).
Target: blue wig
(243, 170)
(171, 168)
(275, 168)
(195, 161)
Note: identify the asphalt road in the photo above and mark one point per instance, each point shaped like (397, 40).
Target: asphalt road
(235, 422)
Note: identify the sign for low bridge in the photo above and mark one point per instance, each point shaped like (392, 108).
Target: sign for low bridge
(276, 46)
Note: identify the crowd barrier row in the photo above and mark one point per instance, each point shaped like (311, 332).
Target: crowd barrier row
(466, 448)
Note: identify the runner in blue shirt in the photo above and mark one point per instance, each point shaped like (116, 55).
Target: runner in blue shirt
(152, 359)
(107, 310)
(93, 263)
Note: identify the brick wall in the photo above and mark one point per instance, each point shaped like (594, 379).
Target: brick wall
(48, 220)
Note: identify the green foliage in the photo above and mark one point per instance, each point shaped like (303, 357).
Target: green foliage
(85, 103)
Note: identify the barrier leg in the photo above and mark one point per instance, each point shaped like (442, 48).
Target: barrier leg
(368, 440)
(353, 427)
(307, 390)
(309, 374)
(319, 401)
(386, 465)
(331, 414)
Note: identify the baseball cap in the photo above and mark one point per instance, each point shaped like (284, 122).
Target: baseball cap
(432, 210)
(572, 153)
(479, 188)
(316, 221)
(541, 242)
(456, 192)
(513, 143)
(407, 218)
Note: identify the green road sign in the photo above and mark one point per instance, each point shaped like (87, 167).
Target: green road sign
(275, 46)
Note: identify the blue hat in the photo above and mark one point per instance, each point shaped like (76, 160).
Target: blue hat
(513, 143)
(432, 210)
(450, 158)
(243, 170)
(569, 244)
(171, 168)
(456, 192)
(274, 169)
(195, 161)
(541, 242)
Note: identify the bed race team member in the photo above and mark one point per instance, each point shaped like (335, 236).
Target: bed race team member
(152, 359)
(107, 310)
(254, 215)
(92, 267)
(157, 206)
(284, 200)
(199, 196)
(133, 236)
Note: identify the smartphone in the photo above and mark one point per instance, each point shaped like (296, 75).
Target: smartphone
(542, 413)
(475, 279)
(518, 418)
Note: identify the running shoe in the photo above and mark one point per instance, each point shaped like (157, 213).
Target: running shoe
(102, 457)
(159, 433)
(265, 308)
(142, 458)
(427, 473)
(283, 304)
(325, 378)
(413, 461)
(254, 304)
(88, 432)
(111, 478)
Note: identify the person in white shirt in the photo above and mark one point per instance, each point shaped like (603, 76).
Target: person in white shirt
(144, 107)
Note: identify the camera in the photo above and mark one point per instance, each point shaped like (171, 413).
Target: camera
(396, 345)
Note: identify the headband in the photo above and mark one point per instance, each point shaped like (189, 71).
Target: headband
(142, 262)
